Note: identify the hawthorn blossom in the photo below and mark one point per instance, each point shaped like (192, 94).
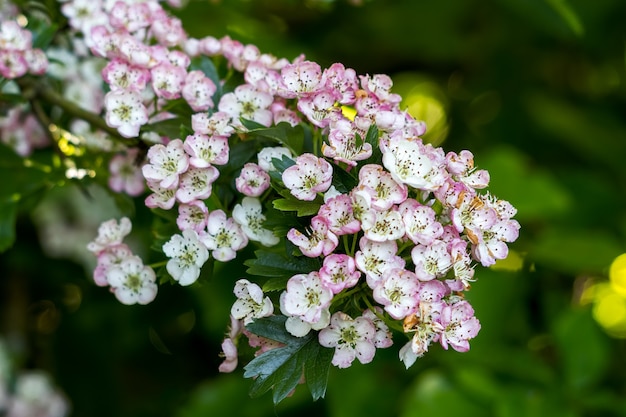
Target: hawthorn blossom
(459, 326)
(338, 214)
(198, 91)
(319, 108)
(266, 155)
(412, 163)
(166, 163)
(317, 241)
(343, 81)
(420, 221)
(382, 337)
(110, 256)
(309, 176)
(431, 261)
(132, 281)
(252, 181)
(374, 259)
(397, 291)
(343, 146)
(248, 103)
(301, 78)
(229, 346)
(461, 166)
(351, 338)
(339, 272)
(306, 297)
(489, 245)
(163, 198)
(383, 226)
(223, 236)
(217, 124)
(250, 217)
(250, 303)
(187, 255)
(126, 175)
(168, 80)
(204, 150)
(110, 233)
(125, 112)
(379, 189)
(121, 76)
(196, 184)
(193, 215)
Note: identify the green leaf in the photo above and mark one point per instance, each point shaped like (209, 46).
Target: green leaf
(275, 265)
(568, 15)
(170, 127)
(289, 136)
(43, 32)
(317, 368)
(303, 208)
(344, 181)
(281, 369)
(8, 216)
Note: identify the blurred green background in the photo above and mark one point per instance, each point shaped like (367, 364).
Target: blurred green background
(536, 89)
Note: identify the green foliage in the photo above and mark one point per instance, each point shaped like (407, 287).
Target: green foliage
(282, 368)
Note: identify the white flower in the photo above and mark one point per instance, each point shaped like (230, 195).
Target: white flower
(110, 233)
(351, 338)
(187, 255)
(397, 291)
(132, 281)
(223, 236)
(249, 216)
(305, 297)
(126, 112)
(250, 303)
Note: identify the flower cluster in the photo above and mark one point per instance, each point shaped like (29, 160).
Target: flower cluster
(17, 55)
(362, 229)
(129, 279)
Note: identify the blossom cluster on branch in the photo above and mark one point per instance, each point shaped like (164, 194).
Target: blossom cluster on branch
(362, 230)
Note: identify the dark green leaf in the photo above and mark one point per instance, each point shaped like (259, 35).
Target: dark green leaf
(170, 128)
(271, 264)
(43, 32)
(317, 368)
(8, 216)
(343, 181)
(303, 208)
(239, 154)
(281, 369)
(289, 136)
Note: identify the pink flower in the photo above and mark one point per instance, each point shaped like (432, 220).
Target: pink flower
(339, 272)
(196, 184)
(198, 91)
(397, 292)
(379, 188)
(168, 80)
(374, 259)
(252, 181)
(318, 240)
(459, 325)
(166, 163)
(110, 233)
(248, 103)
(309, 176)
(205, 151)
(301, 78)
(126, 175)
(121, 76)
(192, 216)
(339, 215)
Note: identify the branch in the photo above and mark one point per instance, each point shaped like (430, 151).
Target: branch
(31, 87)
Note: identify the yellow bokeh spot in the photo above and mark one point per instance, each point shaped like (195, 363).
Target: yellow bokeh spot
(348, 112)
(617, 275)
(513, 262)
(609, 310)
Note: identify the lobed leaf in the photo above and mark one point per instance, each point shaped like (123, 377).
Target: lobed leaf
(281, 369)
(271, 264)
